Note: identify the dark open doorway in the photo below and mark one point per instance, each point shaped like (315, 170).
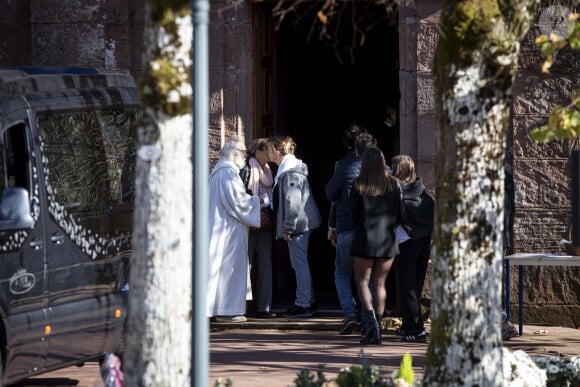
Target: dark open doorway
(317, 90)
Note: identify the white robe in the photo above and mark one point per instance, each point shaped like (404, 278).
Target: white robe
(231, 212)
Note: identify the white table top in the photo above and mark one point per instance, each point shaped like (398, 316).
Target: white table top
(541, 259)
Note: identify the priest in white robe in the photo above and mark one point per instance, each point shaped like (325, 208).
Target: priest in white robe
(231, 212)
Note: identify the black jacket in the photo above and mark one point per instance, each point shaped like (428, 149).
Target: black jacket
(338, 190)
(419, 210)
(375, 219)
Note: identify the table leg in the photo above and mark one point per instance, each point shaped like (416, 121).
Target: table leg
(521, 298)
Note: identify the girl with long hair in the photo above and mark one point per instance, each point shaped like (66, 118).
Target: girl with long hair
(376, 211)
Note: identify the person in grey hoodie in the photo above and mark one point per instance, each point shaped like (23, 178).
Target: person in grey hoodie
(413, 259)
(297, 216)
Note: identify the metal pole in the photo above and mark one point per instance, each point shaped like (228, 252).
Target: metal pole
(200, 157)
(507, 288)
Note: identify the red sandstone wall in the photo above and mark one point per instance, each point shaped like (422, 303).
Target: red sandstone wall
(541, 171)
(109, 35)
(83, 33)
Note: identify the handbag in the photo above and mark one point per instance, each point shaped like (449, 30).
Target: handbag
(266, 219)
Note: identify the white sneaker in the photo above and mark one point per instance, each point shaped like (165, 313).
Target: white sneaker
(240, 318)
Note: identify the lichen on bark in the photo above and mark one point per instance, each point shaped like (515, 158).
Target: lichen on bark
(166, 79)
(476, 63)
(463, 27)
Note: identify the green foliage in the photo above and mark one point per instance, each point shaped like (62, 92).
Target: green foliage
(365, 375)
(574, 33)
(160, 8)
(166, 80)
(305, 379)
(361, 376)
(405, 372)
(462, 36)
(551, 45)
(219, 383)
(563, 121)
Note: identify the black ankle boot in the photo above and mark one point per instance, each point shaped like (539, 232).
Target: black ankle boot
(373, 333)
(379, 319)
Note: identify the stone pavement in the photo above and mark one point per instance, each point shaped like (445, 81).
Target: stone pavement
(271, 353)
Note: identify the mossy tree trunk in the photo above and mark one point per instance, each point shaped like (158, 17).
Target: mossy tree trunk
(158, 330)
(476, 62)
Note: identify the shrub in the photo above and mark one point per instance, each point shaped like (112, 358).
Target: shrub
(518, 367)
(305, 379)
(406, 371)
(365, 375)
(219, 383)
(560, 372)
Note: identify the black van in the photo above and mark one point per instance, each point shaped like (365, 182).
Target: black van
(67, 166)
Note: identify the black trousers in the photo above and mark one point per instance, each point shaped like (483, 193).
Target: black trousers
(412, 263)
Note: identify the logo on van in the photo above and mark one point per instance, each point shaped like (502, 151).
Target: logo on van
(21, 282)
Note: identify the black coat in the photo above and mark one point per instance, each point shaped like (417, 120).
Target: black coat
(338, 190)
(375, 219)
(420, 210)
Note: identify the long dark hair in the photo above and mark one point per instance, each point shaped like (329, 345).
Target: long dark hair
(374, 180)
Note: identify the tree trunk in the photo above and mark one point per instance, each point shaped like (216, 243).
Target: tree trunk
(476, 63)
(158, 329)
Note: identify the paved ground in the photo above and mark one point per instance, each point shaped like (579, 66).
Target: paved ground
(272, 353)
(85, 376)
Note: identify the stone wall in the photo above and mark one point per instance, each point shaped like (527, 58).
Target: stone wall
(418, 38)
(15, 33)
(541, 171)
(542, 185)
(231, 71)
(109, 35)
(67, 33)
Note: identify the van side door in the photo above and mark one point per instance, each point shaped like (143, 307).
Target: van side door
(88, 166)
(22, 259)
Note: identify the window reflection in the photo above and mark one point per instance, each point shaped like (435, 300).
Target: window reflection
(90, 167)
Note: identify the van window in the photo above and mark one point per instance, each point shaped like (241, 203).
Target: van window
(90, 167)
(15, 172)
(3, 179)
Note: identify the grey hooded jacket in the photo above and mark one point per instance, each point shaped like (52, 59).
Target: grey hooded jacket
(296, 209)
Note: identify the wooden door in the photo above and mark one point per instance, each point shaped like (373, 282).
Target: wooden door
(264, 70)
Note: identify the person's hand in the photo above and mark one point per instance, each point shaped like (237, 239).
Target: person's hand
(287, 237)
(264, 201)
(331, 236)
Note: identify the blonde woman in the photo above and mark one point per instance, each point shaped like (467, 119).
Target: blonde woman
(297, 216)
(258, 179)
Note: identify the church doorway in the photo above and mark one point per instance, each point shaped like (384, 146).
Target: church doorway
(313, 89)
